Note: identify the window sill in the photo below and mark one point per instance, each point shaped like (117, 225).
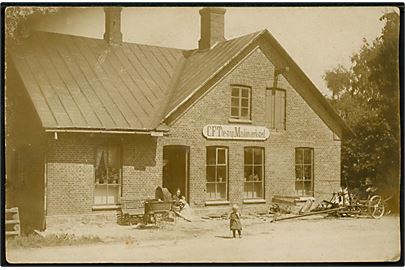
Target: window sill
(242, 121)
(252, 201)
(216, 203)
(106, 207)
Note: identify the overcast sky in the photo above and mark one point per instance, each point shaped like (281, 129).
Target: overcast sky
(317, 38)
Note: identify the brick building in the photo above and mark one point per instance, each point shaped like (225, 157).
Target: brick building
(233, 121)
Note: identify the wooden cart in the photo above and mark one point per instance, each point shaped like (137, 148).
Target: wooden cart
(142, 211)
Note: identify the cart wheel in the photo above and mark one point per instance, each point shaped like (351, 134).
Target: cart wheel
(376, 206)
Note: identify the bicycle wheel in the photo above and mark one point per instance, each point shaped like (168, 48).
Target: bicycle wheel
(376, 206)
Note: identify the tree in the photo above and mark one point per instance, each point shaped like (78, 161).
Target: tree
(18, 19)
(367, 98)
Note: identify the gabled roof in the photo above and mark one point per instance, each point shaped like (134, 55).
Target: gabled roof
(202, 65)
(84, 83)
(207, 67)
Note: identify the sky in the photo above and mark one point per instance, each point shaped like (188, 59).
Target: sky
(317, 38)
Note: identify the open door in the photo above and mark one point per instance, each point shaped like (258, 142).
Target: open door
(176, 169)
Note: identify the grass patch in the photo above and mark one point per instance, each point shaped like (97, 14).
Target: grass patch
(51, 240)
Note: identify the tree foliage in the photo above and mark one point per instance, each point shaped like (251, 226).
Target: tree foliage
(17, 19)
(367, 98)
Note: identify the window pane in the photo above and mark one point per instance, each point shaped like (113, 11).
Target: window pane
(245, 92)
(299, 172)
(308, 171)
(235, 92)
(100, 194)
(304, 188)
(308, 156)
(299, 157)
(245, 102)
(257, 191)
(258, 173)
(114, 157)
(211, 191)
(112, 196)
(235, 112)
(221, 156)
(248, 156)
(300, 187)
(308, 189)
(248, 173)
(221, 174)
(258, 156)
(234, 102)
(210, 173)
(211, 155)
(248, 190)
(244, 112)
(221, 188)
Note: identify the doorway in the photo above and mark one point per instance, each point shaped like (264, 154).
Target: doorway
(176, 169)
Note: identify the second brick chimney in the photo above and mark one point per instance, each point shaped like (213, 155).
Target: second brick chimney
(212, 27)
(112, 32)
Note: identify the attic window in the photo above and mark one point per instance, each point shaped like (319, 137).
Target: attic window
(240, 102)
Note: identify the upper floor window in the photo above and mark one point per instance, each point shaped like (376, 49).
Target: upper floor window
(240, 102)
(217, 172)
(304, 171)
(275, 108)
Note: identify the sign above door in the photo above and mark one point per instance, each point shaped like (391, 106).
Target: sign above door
(236, 132)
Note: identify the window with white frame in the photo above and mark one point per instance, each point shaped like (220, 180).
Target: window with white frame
(304, 171)
(240, 102)
(217, 173)
(254, 173)
(108, 168)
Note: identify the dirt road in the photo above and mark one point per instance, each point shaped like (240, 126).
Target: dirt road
(314, 240)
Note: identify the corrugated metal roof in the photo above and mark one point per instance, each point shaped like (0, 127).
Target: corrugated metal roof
(84, 83)
(78, 82)
(200, 66)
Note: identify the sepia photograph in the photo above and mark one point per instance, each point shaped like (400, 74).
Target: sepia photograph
(181, 134)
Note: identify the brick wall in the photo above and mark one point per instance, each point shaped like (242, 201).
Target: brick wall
(304, 128)
(70, 170)
(70, 160)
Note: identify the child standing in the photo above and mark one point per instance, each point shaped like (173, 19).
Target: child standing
(235, 224)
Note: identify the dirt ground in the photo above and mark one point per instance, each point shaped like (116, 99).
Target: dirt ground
(314, 239)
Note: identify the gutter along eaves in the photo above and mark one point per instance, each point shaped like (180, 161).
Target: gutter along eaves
(105, 131)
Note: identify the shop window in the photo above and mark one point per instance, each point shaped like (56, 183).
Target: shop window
(240, 102)
(275, 108)
(254, 173)
(107, 175)
(304, 171)
(217, 173)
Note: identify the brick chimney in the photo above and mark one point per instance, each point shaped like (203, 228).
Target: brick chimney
(112, 32)
(212, 27)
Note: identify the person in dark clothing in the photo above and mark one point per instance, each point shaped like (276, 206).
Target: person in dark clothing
(235, 224)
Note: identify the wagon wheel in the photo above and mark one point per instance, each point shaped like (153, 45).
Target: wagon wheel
(376, 206)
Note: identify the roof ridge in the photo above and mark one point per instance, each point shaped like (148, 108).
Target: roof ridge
(191, 52)
(100, 39)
